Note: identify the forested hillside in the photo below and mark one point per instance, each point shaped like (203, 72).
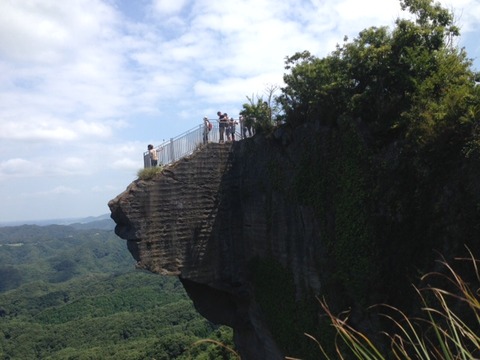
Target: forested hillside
(75, 294)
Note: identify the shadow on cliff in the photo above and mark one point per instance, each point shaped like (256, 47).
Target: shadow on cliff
(189, 222)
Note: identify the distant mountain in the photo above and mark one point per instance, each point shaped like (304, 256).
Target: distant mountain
(91, 219)
(102, 222)
(68, 293)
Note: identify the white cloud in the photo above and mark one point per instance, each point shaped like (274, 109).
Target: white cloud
(104, 188)
(361, 12)
(16, 167)
(84, 87)
(59, 165)
(28, 129)
(59, 190)
(467, 14)
(92, 128)
(235, 90)
(64, 165)
(168, 7)
(42, 31)
(35, 128)
(126, 164)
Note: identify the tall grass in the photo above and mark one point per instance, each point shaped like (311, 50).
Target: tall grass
(149, 173)
(228, 351)
(449, 326)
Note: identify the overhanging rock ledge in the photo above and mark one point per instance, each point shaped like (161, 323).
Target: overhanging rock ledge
(205, 219)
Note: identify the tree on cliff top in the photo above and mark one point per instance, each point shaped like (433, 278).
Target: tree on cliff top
(399, 107)
(262, 113)
(410, 82)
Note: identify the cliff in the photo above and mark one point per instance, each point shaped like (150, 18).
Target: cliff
(255, 230)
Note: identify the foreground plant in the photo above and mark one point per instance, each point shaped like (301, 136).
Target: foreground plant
(228, 353)
(449, 330)
(149, 173)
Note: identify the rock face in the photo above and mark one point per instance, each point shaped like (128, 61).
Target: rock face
(315, 204)
(204, 219)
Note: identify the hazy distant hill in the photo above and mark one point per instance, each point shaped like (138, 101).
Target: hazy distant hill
(98, 222)
(104, 224)
(56, 253)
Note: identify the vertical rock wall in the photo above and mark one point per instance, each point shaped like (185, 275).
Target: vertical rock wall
(256, 228)
(206, 217)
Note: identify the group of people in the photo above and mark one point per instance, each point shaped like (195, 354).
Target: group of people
(227, 128)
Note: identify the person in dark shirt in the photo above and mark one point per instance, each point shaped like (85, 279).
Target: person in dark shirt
(222, 125)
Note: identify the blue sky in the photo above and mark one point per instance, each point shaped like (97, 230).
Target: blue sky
(85, 85)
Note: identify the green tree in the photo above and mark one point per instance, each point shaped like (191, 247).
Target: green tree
(399, 107)
(10, 278)
(411, 81)
(262, 113)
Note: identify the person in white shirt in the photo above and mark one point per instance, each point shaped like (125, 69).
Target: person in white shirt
(153, 155)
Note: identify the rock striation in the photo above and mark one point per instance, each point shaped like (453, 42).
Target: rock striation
(255, 227)
(205, 218)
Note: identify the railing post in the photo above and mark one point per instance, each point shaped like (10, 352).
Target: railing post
(146, 161)
(172, 151)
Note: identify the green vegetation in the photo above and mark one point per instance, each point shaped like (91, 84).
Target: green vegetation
(353, 249)
(74, 294)
(287, 316)
(392, 177)
(402, 110)
(447, 328)
(411, 82)
(149, 173)
(260, 113)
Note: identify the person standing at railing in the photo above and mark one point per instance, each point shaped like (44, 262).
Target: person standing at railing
(227, 127)
(222, 125)
(243, 128)
(207, 126)
(231, 127)
(153, 155)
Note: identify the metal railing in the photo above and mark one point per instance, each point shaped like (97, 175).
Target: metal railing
(185, 144)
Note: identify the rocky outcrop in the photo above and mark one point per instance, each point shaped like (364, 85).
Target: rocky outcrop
(254, 228)
(205, 218)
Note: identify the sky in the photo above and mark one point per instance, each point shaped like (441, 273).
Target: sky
(86, 85)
